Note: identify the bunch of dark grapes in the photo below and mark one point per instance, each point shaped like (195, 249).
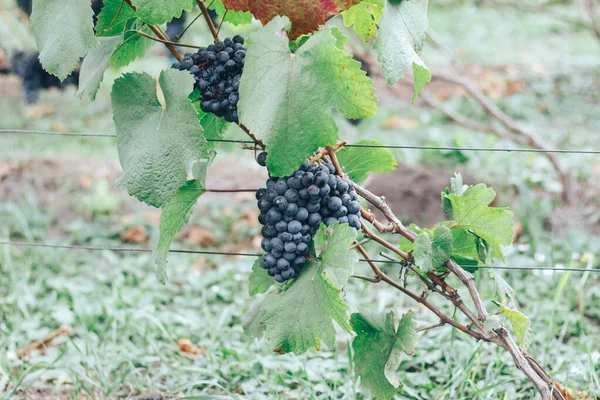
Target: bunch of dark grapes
(217, 70)
(34, 77)
(293, 207)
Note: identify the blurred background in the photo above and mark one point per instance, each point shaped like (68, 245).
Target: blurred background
(506, 74)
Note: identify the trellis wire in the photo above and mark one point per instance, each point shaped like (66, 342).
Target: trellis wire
(225, 253)
(372, 146)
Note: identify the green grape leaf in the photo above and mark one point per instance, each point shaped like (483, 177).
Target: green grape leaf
(175, 214)
(259, 280)
(357, 162)
(287, 97)
(364, 16)
(470, 211)
(306, 16)
(235, 18)
(465, 245)
(64, 32)
(400, 38)
(378, 349)
(431, 254)
(156, 143)
(94, 64)
(155, 12)
(337, 262)
(133, 45)
(113, 18)
(519, 322)
(422, 76)
(503, 292)
(457, 186)
(299, 315)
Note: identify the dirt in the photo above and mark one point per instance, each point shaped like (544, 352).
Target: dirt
(413, 192)
(60, 183)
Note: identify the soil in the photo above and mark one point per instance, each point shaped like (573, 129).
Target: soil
(413, 192)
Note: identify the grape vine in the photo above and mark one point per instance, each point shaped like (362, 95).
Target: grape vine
(296, 68)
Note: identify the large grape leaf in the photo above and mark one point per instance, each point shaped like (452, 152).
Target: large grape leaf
(160, 11)
(133, 45)
(299, 316)
(175, 214)
(286, 98)
(333, 242)
(233, 17)
(431, 253)
(470, 211)
(364, 17)
(306, 15)
(378, 349)
(357, 162)
(113, 17)
(156, 143)
(64, 32)
(400, 40)
(94, 64)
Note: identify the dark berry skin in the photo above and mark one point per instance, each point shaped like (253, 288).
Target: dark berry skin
(294, 207)
(217, 70)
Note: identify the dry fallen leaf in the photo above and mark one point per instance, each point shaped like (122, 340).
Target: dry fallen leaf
(513, 87)
(400, 123)
(200, 235)
(569, 395)
(186, 346)
(517, 231)
(137, 234)
(41, 344)
(38, 111)
(59, 126)
(85, 181)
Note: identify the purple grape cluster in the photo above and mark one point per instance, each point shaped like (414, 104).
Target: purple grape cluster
(293, 207)
(217, 70)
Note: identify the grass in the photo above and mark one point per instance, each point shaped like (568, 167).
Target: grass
(126, 325)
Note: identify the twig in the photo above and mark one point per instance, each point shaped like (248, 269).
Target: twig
(168, 41)
(522, 364)
(44, 342)
(590, 7)
(159, 33)
(230, 190)
(531, 138)
(222, 21)
(426, 328)
(209, 22)
(178, 37)
(258, 142)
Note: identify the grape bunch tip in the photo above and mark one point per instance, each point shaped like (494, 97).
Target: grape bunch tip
(217, 70)
(292, 209)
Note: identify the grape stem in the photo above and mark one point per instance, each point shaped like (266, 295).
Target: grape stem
(167, 41)
(159, 33)
(209, 22)
(231, 190)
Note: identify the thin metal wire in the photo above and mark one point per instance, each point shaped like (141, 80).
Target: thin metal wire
(225, 253)
(371, 146)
